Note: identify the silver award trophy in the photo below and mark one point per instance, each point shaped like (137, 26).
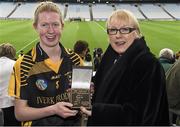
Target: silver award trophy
(80, 89)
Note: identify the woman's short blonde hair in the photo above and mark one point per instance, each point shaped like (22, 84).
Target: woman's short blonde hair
(47, 6)
(7, 50)
(124, 15)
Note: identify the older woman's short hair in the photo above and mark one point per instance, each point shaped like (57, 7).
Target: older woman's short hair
(166, 53)
(124, 15)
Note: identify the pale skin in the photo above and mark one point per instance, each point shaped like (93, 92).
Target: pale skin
(119, 42)
(25, 113)
(49, 27)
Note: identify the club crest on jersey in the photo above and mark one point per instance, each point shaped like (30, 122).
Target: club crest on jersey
(41, 84)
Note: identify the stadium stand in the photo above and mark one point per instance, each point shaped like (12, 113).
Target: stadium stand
(101, 11)
(152, 11)
(78, 11)
(6, 8)
(24, 11)
(131, 7)
(62, 7)
(173, 9)
(96, 11)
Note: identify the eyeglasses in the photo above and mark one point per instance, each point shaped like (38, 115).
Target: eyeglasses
(125, 30)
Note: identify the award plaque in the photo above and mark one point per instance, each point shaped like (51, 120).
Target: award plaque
(80, 89)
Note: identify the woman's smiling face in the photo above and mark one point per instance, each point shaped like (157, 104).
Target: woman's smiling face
(122, 29)
(124, 37)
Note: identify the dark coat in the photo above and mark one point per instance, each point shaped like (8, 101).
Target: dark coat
(130, 90)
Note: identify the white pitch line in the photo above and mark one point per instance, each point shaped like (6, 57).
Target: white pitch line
(100, 26)
(27, 45)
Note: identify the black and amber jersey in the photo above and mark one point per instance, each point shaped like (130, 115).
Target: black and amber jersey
(43, 83)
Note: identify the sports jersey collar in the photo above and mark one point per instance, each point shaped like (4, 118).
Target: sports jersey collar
(41, 54)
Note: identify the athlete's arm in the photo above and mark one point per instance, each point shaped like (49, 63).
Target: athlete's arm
(25, 113)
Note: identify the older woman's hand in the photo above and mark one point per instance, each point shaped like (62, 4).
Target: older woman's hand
(85, 111)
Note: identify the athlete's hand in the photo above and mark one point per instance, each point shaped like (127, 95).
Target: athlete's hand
(85, 111)
(63, 109)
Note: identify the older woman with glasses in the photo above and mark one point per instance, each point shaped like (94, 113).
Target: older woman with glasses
(130, 83)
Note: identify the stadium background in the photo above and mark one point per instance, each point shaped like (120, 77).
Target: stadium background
(159, 32)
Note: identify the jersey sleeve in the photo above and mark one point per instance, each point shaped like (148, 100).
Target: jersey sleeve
(14, 82)
(75, 58)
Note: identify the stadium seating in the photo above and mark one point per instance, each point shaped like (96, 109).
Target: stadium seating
(6, 8)
(132, 8)
(78, 11)
(173, 9)
(99, 11)
(154, 12)
(24, 11)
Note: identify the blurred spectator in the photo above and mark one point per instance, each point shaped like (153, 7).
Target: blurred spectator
(81, 48)
(88, 60)
(177, 55)
(166, 58)
(173, 89)
(97, 56)
(7, 56)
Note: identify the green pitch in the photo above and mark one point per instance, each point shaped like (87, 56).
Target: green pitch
(158, 34)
